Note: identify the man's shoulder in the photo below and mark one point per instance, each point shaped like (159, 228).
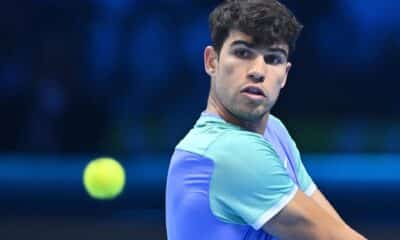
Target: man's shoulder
(240, 147)
(214, 140)
(204, 133)
(197, 141)
(276, 123)
(276, 127)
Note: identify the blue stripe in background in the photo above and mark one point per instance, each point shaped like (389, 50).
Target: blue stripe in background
(42, 171)
(360, 186)
(354, 168)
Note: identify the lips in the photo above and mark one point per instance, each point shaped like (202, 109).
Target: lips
(253, 90)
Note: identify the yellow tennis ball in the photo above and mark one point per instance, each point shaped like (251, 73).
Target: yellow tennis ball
(104, 178)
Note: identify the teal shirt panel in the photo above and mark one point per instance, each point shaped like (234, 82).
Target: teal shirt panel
(249, 182)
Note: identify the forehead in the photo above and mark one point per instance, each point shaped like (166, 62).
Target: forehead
(240, 36)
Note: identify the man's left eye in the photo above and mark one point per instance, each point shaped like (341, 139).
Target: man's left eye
(273, 59)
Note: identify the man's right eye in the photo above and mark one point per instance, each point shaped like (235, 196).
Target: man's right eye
(243, 53)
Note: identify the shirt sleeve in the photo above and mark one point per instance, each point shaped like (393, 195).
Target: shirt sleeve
(249, 184)
(306, 183)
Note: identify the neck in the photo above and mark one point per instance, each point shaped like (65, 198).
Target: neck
(257, 126)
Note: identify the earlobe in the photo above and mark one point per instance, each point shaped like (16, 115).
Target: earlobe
(210, 60)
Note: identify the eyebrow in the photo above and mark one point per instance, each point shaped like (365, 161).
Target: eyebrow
(252, 45)
(241, 42)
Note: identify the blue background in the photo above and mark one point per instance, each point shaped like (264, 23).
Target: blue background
(124, 78)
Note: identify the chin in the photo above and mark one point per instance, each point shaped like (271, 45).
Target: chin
(250, 116)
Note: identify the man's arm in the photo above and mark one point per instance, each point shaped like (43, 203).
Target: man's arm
(320, 199)
(304, 219)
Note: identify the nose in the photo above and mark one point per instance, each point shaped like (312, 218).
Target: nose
(256, 77)
(256, 72)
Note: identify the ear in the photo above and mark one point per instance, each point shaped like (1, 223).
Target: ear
(210, 60)
(288, 67)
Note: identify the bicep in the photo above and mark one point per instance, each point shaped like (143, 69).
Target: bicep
(302, 218)
(320, 199)
(297, 220)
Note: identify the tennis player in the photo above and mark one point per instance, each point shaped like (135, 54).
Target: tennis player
(238, 174)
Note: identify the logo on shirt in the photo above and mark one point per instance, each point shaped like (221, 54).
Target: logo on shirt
(285, 162)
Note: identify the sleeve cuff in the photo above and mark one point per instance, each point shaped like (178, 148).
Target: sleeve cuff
(311, 189)
(266, 216)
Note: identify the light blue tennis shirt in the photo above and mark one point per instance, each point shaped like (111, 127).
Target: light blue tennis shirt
(225, 182)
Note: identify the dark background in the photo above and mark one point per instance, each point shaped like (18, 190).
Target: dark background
(124, 78)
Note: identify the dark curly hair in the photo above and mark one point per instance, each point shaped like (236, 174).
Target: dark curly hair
(267, 21)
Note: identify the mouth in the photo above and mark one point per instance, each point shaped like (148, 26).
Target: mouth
(254, 92)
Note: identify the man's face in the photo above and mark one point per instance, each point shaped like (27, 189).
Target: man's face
(247, 79)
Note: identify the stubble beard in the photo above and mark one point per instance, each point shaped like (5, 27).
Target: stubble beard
(249, 115)
(245, 112)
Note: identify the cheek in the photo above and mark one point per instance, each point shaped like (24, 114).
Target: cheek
(273, 91)
(276, 86)
(280, 75)
(228, 77)
(228, 71)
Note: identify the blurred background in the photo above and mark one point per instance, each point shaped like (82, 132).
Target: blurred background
(124, 78)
